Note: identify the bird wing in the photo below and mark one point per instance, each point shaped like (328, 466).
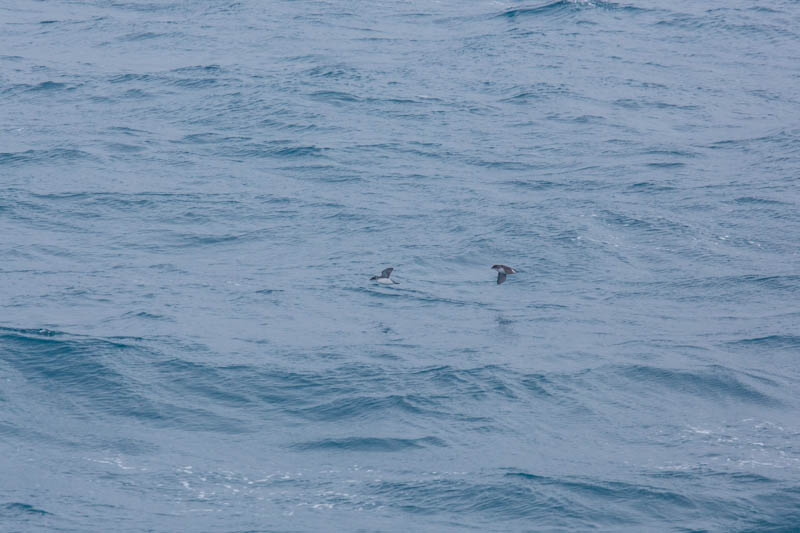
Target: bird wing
(501, 277)
(386, 273)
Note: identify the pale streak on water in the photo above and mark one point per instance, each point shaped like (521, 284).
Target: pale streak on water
(193, 196)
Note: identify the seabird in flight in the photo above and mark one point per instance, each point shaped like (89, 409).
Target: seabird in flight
(502, 272)
(384, 277)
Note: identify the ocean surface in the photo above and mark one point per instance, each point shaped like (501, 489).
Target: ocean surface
(194, 195)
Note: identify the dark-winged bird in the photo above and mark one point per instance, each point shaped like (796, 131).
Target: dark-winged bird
(384, 277)
(502, 272)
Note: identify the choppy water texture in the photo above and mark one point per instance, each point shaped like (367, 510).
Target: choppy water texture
(194, 194)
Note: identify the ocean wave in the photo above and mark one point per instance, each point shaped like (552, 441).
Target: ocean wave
(769, 342)
(54, 155)
(96, 376)
(561, 7)
(18, 508)
(369, 444)
(713, 382)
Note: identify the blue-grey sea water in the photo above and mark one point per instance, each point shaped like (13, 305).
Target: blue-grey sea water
(194, 195)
